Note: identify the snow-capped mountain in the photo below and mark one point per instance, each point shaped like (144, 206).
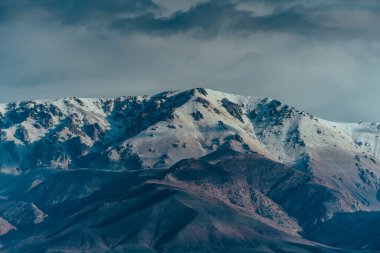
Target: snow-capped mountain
(291, 173)
(160, 130)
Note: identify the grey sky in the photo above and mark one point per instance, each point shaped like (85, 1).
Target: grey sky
(320, 56)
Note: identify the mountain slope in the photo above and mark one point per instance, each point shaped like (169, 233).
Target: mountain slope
(281, 170)
(159, 130)
(197, 205)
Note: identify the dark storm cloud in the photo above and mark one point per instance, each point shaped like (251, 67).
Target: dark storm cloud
(214, 17)
(208, 18)
(321, 56)
(71, 12)
(333, 19)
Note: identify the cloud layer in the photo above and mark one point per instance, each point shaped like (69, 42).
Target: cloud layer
(321, 57)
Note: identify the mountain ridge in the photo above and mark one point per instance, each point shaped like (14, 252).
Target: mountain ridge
(159, 130)
(289, 172)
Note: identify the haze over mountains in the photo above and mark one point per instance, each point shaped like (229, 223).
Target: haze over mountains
(185, 171)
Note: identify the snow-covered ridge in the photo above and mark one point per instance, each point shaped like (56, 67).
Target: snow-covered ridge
(112, 125)
(159, 130)
(283, 168)
(5, 227)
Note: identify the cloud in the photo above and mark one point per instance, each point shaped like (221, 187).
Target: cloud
(214, 17)
(326, 19)
(320, 57)
(74, 12)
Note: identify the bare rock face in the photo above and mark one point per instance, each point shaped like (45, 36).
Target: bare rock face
(22, 134)
(94, 131)
(233, 109)
(197, 115)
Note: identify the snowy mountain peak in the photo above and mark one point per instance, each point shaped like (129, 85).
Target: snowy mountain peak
(285, 169)
(154, 131)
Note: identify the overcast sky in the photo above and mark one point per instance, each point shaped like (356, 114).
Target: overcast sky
(319, 56)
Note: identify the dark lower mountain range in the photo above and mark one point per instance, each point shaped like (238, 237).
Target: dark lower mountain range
(193, 171)
(224, 202)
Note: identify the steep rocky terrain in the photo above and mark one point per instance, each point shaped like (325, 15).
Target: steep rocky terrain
(191, 170)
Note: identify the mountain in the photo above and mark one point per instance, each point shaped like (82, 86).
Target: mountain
(185, 171)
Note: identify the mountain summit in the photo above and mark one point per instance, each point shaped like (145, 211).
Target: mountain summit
(184, 170)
